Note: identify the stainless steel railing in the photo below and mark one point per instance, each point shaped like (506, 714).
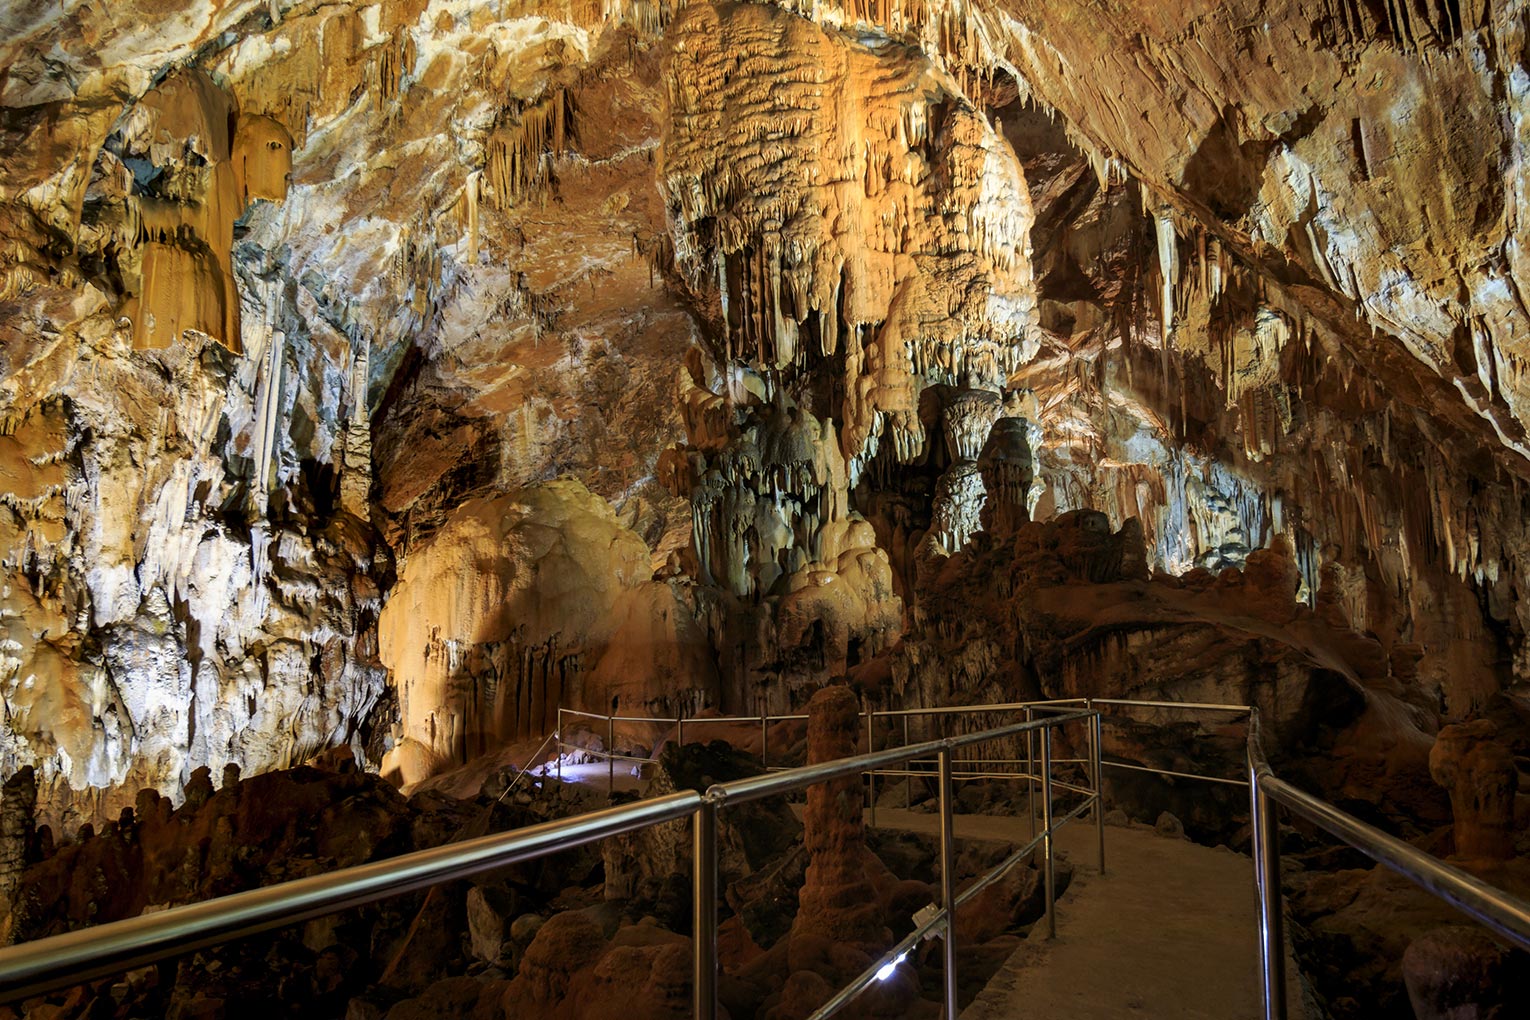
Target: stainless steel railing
(769, 784)
(924, 768)
(1504, 913)
(76, 957)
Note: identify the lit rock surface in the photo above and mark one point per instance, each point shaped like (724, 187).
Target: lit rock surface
(514, 607)
(308, 310)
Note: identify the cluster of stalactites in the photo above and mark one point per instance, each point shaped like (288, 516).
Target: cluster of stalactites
(960, 36)
(522, 145)
(167, 229)
(884, 240)
(1008, 470)
(956, 513)
(968, 418)
(762, 501)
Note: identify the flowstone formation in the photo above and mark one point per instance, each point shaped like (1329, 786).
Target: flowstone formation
(192, 571)
(524, 603)
(176, 172)
(155, 620)
(865, 247)
(385, 375)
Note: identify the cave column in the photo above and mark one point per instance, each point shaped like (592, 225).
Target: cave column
(356, 458)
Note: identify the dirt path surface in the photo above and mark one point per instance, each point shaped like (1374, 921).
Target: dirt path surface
(1167, 932)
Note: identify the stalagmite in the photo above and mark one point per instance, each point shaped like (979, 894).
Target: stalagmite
(1007, 468)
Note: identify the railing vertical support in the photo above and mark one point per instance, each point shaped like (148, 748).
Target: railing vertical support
(558, 743)
(1265, 828)
(610, 756)
(948, 879)
(908, 780)
(764, 738)
(871, 777)
(704, 897)
(1030, 774)
(680, 732)
(1096, 733)
(1046, 829)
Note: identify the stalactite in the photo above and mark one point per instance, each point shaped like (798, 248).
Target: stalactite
(523, 144)
(270, 402)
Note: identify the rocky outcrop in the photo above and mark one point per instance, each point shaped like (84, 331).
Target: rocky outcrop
(1458, 971)
(158, 620)
(177, 592)
(524, 603)
(18, 842)
(975, 351)
(1481, 775)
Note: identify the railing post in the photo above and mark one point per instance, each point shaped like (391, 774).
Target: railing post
(558, 743)
(1265, 833)
(1030, 772)
(871, 777)
(1096, 733)
(764, 737)
(948, 879)
(1046, 823)
(704, 897)
(908, 766)
(680, 732)
(610, 756)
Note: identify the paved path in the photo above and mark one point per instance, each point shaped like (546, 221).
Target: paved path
(1167, 932)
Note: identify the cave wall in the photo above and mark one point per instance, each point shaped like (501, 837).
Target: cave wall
(762, 279)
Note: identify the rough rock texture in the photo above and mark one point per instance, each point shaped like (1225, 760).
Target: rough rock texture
(177, 593)
(1457, 972)
(838, 895)
(1482, 777)
(641, 971)
(971, 351)
(868, 245)
(840, 926)
(524, 602)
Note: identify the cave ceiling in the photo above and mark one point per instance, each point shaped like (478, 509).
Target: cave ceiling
(304, 307)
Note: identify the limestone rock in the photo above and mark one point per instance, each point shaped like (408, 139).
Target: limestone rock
(497, 619)
(1480, 773)
(1458, 971)
(488, 920)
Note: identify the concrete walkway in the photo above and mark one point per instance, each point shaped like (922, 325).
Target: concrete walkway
(1167, 932)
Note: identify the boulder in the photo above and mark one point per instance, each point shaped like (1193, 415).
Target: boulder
(1457, 973)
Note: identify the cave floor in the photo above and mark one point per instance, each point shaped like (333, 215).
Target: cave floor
(1168, 931)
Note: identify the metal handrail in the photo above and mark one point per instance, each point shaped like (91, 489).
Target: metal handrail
(1170, 772)
(777, 783)
(45, 965)
(1504, 913)
(60, 961)
(1196, 706)
(1095, 762)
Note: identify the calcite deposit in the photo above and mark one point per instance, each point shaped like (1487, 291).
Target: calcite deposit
(381, 377)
